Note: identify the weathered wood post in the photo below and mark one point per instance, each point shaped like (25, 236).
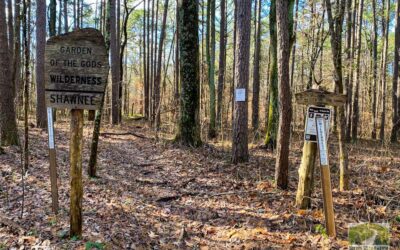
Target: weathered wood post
(316, 137)
(75, 157)
(53, 162)
(76, 76)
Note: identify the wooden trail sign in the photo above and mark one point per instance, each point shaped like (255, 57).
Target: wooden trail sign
(76, 65)
(76, 72)
(320, 98)
(317, 133)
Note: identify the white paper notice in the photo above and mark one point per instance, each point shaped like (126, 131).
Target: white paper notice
(322, 144)
(240, 95)
(50, 127)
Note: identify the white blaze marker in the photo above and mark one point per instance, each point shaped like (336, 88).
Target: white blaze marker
(50, 127)
(322, 143)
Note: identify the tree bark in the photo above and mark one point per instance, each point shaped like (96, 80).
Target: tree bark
(256, 70)
(284, 17)
(240, 151)
(356, 111)
(211, 64)
(189, 127)
(114, 64)
(335, 29)
(385, 33)
(41, 115)
(8, 124)
(52, 17)
(25, 32)
(273, 115)
(158, 75)
(222, 62)
(375, 70)
(65, 10)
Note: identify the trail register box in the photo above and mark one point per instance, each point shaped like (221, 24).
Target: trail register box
(76, 68)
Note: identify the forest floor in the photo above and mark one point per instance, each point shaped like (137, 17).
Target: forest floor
(154, 194)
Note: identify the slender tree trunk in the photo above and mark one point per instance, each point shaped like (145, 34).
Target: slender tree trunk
(256, 69)
(273, 115)
(16, 77)
(356, 110)
(158, 75)
(25, 34)
(222, 62)
(145, 83)
(335, 29)
(240, 151)
(176, 75)
(284, 16)
(114, 64)
(52, 17)
(8, 124)
(211, 63)
(395, 94)
(375, 70)
(294, 44)
(60, 10)
(351, 49)
(385, 32)
(65, 10)
(41, 115)
(189, 127)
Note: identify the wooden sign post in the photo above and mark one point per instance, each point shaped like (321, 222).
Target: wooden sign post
(316, 134)
(53, 164)
(76, 76)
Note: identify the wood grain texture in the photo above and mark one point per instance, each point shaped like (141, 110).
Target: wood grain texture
(76, 62)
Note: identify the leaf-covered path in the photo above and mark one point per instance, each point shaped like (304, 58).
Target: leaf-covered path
(153, 194)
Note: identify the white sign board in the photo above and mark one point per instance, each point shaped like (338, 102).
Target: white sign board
(240, 95)
(310, 133)
(50, 127)
(322, 141)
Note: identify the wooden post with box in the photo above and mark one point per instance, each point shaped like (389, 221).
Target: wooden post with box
(316, 138)
(77, 69)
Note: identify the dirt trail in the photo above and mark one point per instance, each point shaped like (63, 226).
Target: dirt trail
(152, 194)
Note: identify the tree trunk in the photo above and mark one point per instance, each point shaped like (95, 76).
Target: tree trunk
(335, 30)
(375, 70)
(395, 96)
(240, 151)
(273, 115)
(8, 124)
(158, 75)
(189, 127)
(176, 75)
(284, 16)
(25, 34)
(65, 16)
(145, 83)
(41, 114)
(294, 45)
(114, 64)
(385, 33)
(16, 77)
(356, 111)
(52, 17)
(222, 62)
(256, 70)
(211, 63)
